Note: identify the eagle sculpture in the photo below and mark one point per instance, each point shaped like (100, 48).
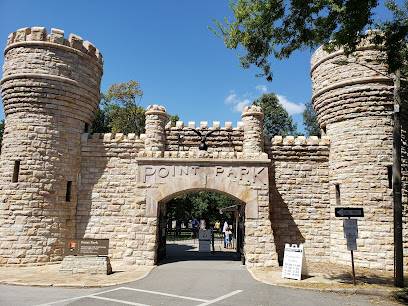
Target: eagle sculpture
(203, 146)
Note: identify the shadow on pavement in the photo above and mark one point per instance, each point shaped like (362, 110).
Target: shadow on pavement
(186, 252)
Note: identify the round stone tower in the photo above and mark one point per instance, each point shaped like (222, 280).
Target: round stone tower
(353, 98)
(50, 90)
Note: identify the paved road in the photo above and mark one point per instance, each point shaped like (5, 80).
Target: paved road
(189, 280)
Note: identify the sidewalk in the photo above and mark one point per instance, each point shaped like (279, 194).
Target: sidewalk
(49, 276)
(331, 277)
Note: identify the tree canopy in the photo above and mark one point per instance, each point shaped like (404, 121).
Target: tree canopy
(277, 121)
(119, 111)
(310, 121)
(199, 205)
(276, 28)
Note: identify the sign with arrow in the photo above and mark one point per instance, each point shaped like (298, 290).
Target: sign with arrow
(349, 212)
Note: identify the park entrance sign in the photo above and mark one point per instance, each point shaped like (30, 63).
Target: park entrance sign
(59, 182)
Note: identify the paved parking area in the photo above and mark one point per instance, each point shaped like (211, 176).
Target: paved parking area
(133, 296)
(191, 279)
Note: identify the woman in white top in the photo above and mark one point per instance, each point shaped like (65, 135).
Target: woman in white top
(224, 231)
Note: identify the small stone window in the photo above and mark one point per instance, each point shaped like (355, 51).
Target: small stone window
(68, 193)
(16, 171)
(389, 174)
(86, 128)
(338, 202)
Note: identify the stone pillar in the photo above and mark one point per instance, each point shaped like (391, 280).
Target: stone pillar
(50, 91)
(155, 126)
(252, 118)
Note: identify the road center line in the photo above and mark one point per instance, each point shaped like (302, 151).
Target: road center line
(115, 300)
(166, 294)
(220, 298)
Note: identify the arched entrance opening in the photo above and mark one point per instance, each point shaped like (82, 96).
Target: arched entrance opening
(200, 224)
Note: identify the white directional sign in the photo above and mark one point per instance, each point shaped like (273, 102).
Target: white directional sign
(292, 261)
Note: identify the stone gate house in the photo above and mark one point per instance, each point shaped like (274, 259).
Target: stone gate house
(59, 182)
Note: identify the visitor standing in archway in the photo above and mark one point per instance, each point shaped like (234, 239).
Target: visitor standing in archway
(224, 232)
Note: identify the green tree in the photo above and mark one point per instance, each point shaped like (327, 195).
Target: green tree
(200, 205)
(119, 111)
(1, 132)
(277, 121)
(310, 120)
(275, 28)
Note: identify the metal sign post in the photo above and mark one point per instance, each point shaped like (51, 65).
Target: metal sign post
(350, 229)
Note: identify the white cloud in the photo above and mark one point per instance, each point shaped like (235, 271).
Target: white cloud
(262, 88)
(237, 103)
(291, 107)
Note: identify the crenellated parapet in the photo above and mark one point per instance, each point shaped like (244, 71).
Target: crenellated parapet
(47, 72)
(225, 137)
(39, 36)
(346, 87)
(291, 148)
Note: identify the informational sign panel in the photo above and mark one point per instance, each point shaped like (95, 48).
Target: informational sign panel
(351, 243)
(87, 247)
(351, 233)
(204, 234)
(292, 261)
(204, 240)
(350, 227)
(348, 212)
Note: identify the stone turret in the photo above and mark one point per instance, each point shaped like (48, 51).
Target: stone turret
(50, 90)
(156, 119)
(353, 100)
(252, 118)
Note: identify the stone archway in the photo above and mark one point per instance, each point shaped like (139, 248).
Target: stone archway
(246, 181)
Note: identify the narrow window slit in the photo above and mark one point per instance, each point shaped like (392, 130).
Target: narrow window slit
(338, 195)
(389, 174)
(16, 171)
(68, 194)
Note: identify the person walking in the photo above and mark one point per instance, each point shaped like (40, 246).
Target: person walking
(224, 232)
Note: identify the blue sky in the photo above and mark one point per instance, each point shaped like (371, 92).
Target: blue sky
(167, 47)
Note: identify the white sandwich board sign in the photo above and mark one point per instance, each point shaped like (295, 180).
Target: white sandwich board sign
(292, 261)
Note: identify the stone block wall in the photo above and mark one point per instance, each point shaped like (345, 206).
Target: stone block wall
(226, 139)
(299, 194)
(86, 265)
(110, 204)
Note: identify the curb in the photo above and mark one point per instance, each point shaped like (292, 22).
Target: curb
(363, 291)
(63, 285)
